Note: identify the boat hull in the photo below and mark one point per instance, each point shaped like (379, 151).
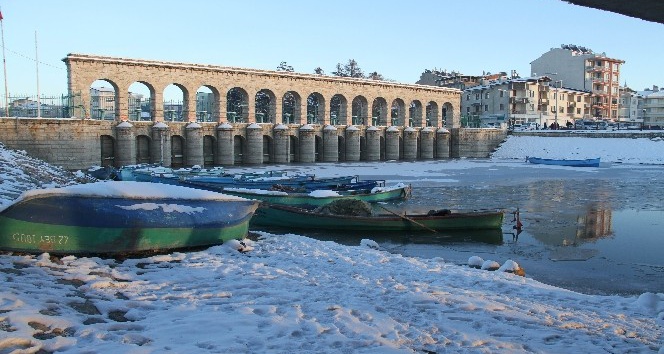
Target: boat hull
(93, 225)
(295, 183)
(305, 200)
(284, 216)
(565, 162)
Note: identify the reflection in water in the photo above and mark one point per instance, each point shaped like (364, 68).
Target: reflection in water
(353, 238)
(597, 223)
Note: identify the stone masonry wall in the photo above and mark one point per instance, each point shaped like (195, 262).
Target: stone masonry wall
(76, 144)
(61, 142)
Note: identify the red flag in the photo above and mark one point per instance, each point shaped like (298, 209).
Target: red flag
(1, 16)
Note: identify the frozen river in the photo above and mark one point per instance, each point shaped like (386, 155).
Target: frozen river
(592, 230)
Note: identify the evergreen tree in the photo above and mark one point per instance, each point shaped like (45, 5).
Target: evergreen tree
(283, 66)
(351, 69)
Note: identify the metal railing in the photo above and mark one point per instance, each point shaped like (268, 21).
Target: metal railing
(44, 106)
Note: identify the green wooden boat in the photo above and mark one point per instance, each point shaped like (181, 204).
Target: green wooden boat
(319, 198)
(293, 217)
(122, 218)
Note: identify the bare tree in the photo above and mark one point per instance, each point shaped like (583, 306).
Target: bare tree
(319, 71)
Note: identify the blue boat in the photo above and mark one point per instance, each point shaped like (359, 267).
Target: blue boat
(564, 162)
(122, 218)
(160, 174)
(293, 184)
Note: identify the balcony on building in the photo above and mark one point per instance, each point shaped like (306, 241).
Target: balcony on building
(519, 100)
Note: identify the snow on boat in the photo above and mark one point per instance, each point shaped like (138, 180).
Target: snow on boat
(122, 218)
(565, 162)
(322, 197)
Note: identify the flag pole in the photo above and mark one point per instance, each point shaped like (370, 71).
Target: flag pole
(4, 64)
(37, 64)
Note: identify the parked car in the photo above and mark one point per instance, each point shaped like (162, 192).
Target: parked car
(525, 126)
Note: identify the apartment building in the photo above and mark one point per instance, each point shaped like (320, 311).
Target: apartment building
(102, 103)
(653, 108)
(630, 106)
(534, 100)
(581, 69)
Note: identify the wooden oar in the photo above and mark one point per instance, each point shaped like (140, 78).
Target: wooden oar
(408, 219)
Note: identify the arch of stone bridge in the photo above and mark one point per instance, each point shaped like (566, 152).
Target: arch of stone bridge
(333, 94)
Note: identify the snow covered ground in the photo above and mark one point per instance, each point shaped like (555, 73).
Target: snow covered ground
(290, 293)
(615, 150)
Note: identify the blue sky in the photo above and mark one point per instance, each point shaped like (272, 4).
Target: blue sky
(399, 39)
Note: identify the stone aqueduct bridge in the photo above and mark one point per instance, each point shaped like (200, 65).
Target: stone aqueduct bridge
(79, 143)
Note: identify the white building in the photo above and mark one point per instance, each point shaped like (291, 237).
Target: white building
(102, 103)
(521, 101)
(653, 108)
(631, 104)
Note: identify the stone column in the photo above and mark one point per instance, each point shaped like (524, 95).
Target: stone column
(303, 112)
(122, 106)
(352, 143)
(225, 146)
(220, 110)
(443, 143)
(372, 144)
(254, 154)
(392, 143)
(281, 144)
(251, 109)
(307, 144)
(157, 107)
(190, 108)
(410, 144)
(330, 144)
(126, 145)
(278, 112)
(426, 143)
(194, 145)
(161, 144)
(346, 114)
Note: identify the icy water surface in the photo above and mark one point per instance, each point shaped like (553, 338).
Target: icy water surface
(592, 230)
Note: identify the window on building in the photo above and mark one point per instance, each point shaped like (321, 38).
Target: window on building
(467, 97)
(477, 96)
(578, 98)
(502, 93)
(502, 107)
(486, 95)
(578, 111)
(486, 108)
(467, 109)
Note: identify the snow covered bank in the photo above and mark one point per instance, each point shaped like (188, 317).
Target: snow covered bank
(295, 294)
(290, 293)
(616, 150)
(20, 172)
